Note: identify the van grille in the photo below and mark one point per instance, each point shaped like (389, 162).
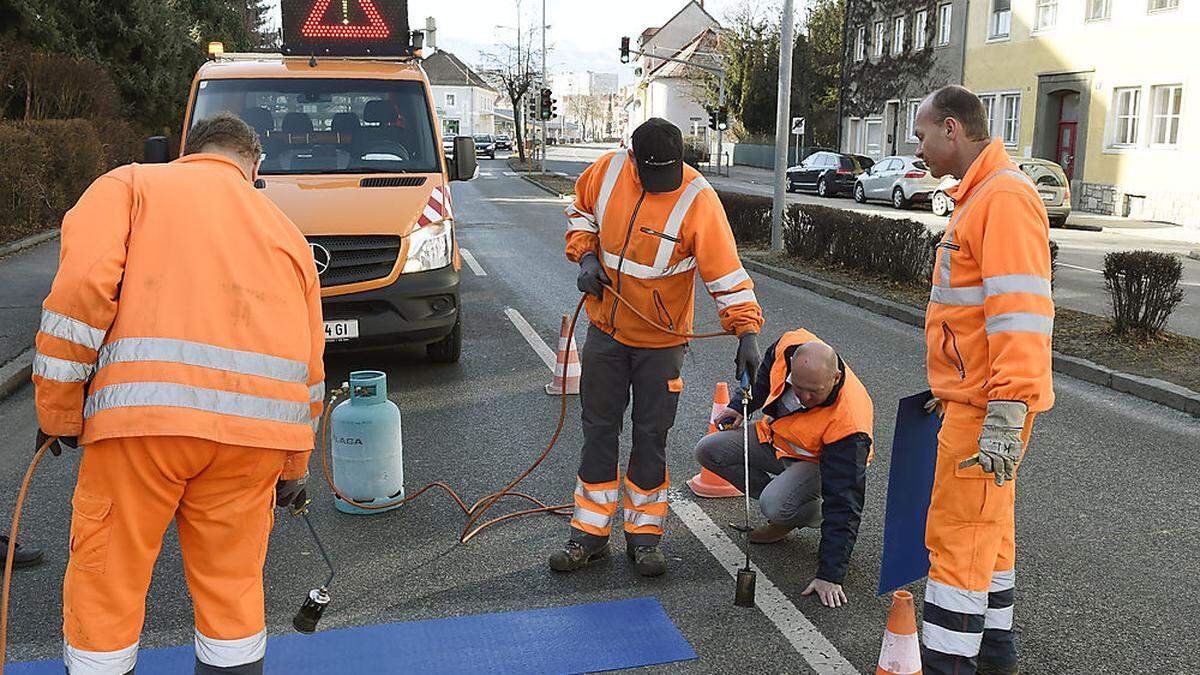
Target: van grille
(355, 259)
(393, 181)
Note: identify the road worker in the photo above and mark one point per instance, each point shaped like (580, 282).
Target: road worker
(808, 452)
(987, 330)
(181, 343)
(642, 224)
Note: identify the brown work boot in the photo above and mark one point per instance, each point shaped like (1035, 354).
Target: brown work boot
(770, 533)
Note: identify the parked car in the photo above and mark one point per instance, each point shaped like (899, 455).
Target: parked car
(448, 144)
(827, 173)
(503, 142)
(485, 145)
(1048, 178)
(900, 179)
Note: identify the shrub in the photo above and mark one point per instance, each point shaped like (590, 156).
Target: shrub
(121, 142)
(892, 248)
(75, 158)
(24, 172)
(1144, 289)
(749, 216)
(1053, 261)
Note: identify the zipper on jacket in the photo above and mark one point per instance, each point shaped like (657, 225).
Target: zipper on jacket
(612, 317)
(956, 358)
(662, 310)
(660, 235)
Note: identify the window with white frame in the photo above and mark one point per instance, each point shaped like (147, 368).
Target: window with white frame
(1099, 10)
(451, 100)
(879, 33)
(1167, 100)
(1160, 5)
(898, 35)
(989, 111)
(945, 14)
(920, 30)
(1126, 109)
(1047, 15)
(912, 120)
(860, 44)
(1000, 19)
(1011, 130)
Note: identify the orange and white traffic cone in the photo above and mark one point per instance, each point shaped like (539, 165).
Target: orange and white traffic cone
(706, 483)
(565, 378)
(901, 651)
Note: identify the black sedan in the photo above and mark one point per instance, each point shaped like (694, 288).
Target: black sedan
(827, 173)
(485, 145)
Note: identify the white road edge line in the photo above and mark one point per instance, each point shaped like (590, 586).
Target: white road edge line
(539, 346)
(472, 262)
(818, 651)
(1077, 267)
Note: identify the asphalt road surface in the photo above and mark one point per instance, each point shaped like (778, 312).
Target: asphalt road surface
(1107, 505)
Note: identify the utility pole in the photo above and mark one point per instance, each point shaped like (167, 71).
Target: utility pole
(782, 108)
(545, 83)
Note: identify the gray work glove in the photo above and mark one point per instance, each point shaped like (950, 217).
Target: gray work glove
(935, 405)
(1000, 443)
(292, 493)
(59, 443)
(592, 277)
(748, 357)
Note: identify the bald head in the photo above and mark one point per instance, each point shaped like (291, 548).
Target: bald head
(814, 372)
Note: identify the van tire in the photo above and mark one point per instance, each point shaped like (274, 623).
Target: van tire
(449, 348)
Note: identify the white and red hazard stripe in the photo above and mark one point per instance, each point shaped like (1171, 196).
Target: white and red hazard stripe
(437, 208)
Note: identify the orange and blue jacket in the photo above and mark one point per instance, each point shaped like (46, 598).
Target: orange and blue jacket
(990, 319)
(185, 304)
(650, 245)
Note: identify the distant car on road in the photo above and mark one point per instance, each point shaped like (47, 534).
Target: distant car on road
(503, 142)
(827, 173)
(485, 145)
(1048, 178)
(900, 179)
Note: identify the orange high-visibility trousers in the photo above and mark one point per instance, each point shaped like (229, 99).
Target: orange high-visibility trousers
(222, 498)
(970, 535)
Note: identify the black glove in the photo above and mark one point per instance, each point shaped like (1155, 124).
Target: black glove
(748, 357)
(291, 493)
(56, 447)
(592, 277)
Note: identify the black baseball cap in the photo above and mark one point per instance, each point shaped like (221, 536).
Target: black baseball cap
(658, 149)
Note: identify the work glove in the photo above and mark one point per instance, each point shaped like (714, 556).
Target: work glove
(292, 493)
(748, 357)
(56, 447)
(592, 277)
(934, 405)
(1000, 443)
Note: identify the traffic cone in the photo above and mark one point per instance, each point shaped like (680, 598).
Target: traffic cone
(706, 483)
(570, 378)
(901, 651)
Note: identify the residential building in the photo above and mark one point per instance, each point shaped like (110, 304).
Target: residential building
(1106, 88)
(895, 54)
(586, 99)
(465, 103)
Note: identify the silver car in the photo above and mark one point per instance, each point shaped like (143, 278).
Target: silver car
(1048, 179)
(900, 179)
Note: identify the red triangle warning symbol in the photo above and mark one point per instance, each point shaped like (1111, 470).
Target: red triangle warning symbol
(316, 25)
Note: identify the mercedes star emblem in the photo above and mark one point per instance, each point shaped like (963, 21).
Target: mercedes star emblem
(321, 257)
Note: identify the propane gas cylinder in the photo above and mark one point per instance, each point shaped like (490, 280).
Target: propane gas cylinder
(368, 455)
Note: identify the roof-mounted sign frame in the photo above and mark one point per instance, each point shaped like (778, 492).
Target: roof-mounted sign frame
(345, 28)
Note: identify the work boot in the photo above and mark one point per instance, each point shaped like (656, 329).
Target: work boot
(22, 557)
(575, 555)
(647, 560)
(770, 533)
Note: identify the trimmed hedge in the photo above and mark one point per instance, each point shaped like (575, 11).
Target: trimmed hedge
(24, 185)
(749, 216)
(1144, 289)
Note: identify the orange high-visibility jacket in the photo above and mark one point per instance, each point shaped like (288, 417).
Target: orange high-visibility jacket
(185, 304)
(649, 245)
(991, 315)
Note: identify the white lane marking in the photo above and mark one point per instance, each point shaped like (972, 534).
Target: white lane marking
(472, 262)
(818, 651)
(1077, 267)
(531, 336)
(511, 173)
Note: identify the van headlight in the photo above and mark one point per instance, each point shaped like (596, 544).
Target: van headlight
(429, 247)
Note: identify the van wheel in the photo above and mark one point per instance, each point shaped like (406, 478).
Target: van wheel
(449, 348)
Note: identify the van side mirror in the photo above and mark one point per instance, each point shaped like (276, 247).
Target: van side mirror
(155, 151)
(464, 165)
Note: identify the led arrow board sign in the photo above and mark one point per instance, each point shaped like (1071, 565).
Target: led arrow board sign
(345, 27)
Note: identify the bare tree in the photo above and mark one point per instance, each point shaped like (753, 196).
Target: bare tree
(510, 69)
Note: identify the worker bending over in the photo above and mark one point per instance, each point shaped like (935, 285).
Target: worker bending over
(987, 329)
(181, 343)
(808, 455)
(644, 223)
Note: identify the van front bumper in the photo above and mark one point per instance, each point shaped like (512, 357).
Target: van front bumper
(417, 308)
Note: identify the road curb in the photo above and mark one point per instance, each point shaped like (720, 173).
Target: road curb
(27, 242)
(15, 374)
(1195, 255)
(543, 188)
(1151, 389)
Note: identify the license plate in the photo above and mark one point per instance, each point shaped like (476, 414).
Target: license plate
(1047, 196)
(337, 331)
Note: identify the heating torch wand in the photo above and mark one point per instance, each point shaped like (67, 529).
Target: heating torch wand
(744, 596)
(318, 599)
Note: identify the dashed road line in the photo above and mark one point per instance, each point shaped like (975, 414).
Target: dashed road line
(472, 262)
(531, 336)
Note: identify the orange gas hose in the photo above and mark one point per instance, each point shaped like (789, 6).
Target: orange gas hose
(12, 549)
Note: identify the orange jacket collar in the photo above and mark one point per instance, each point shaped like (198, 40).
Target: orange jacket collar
(993, 157)
(213, 158)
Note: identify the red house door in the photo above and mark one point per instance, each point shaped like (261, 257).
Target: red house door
(1066, 148)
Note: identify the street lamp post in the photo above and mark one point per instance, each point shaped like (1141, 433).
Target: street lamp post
(784, 105)
(545, 83)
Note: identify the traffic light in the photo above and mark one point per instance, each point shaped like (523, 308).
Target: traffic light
(722, 118)
(546, 108)
(712, 118)
(532, 104)
(624, 50)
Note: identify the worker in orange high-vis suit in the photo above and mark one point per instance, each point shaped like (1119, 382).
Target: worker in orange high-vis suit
(181, 343)
(988, 329)
(643, 223)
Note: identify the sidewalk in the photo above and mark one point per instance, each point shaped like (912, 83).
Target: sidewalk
(25, 277)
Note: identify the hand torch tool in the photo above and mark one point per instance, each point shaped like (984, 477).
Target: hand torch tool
(318, 599)
(745, 576)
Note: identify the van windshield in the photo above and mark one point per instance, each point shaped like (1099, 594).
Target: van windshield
(311, 126)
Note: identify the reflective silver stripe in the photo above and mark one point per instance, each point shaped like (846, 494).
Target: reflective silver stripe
(61, 370)
(944, 253)
(727, 282)
(316, 393)
(949, 641)
(1017, 283)
(606, 187)
(645, 271)
(666, 247)
(578, 224)
(71, 330)
(791, 449)
(639, 499)
(133, 350)
(591, 518)
(639, 519)
(83, 662)
(171, 395)
(955, 599)
(229, 653)
(1020, 322)
(727, 301)
(961, 296)
(998, 619)
(1002, 581)
(597, 496)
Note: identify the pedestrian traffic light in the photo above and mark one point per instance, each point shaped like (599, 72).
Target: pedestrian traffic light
(712, 118)
(624, 50)
(722, 118)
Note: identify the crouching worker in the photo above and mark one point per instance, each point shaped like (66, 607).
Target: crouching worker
(808, 452)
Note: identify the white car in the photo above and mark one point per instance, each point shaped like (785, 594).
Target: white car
(899, 179)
